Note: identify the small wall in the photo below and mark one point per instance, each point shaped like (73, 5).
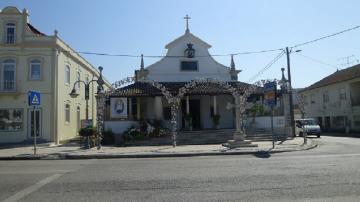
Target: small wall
(265, 122)
(119, 127)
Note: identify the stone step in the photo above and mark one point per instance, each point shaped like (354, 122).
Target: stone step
(204, 137)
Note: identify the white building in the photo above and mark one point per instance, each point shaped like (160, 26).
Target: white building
(335, 100)
(187, 59)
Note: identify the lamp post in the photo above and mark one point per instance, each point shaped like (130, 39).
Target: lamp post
(100, 88)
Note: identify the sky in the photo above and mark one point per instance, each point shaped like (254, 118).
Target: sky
(138, 27)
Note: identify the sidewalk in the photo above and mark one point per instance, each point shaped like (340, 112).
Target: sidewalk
(72, 151)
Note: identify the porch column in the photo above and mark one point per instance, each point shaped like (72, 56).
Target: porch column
(215, 105)
(130, 108)
(138, 108)
(158, 108)
(187, 105)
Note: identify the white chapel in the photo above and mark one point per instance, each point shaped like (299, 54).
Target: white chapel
(187, 59)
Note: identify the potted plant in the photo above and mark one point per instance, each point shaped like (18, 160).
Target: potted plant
(216, 120)
(188, 121)
(87, 133)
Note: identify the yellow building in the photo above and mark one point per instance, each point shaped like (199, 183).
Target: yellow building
(33, 61)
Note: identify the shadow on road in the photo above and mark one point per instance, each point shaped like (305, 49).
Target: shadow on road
(263, 154)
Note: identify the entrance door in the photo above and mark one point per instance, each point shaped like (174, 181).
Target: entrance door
(78, 119)
(194, 109)
(327, 123)
(34, 123)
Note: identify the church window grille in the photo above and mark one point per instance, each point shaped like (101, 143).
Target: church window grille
(189, 66)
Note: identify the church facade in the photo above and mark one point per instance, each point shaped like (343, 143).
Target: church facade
(187, 59)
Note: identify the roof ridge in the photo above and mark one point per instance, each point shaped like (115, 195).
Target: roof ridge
(338, 76)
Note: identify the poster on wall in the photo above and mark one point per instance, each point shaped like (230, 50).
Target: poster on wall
(118, 108)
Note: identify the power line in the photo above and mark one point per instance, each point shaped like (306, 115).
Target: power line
(317, 60)
(273, 61)
(224, 55)
(158, 56)
(177, 56)
(325, 37)
(213, 55)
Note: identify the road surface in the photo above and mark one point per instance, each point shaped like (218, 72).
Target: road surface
(327, 173)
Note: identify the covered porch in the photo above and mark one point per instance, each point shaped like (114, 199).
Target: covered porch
(201, 108)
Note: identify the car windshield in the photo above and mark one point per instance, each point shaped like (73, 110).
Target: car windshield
(308, 122)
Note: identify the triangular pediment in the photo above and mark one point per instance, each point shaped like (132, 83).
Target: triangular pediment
(190, 38)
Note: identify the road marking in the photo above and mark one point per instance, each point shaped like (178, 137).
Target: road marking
(21, 194)
(14, 172)
(317, 156)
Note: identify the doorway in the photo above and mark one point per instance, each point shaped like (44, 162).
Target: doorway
(194, 109)
(34, 123)
(78, 119)
(327, 123)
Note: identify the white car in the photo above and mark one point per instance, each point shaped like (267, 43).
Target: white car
(308, 126)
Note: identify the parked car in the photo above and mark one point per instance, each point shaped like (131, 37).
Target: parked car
(308, 126)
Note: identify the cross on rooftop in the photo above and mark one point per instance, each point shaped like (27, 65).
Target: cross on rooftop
(187, 22)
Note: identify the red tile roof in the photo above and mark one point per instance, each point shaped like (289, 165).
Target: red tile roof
(145, 89)
(34, 30)
(336, 77)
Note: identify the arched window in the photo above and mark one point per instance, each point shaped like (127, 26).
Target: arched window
(67, 74)
(10, 33)
(35, 69)
(67, 113)
(8, 75)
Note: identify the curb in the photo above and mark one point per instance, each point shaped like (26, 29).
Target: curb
(155, 155)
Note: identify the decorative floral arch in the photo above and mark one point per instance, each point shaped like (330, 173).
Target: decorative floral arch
(101, 97)
(202, 82)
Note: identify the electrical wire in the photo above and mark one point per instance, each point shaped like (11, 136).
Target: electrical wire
(156, 56)
(224, 55)
(273, 61)
(325, 37)
(211, 55)
(317, 60)
(175, 56)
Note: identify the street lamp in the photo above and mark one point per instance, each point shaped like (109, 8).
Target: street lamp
(100, 88)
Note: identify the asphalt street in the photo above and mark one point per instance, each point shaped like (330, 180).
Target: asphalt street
(329, 172)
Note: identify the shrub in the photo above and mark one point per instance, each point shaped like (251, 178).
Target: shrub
(87, 132)
(133, 133)
(88, 136)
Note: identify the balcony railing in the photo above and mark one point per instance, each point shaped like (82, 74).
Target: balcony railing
(8, 86)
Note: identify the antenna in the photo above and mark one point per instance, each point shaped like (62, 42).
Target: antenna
(347, 61)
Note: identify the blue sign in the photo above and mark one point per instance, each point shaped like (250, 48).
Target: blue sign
(270, 93)
(34, 98)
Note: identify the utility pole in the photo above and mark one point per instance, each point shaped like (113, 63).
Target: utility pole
(290, 93)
